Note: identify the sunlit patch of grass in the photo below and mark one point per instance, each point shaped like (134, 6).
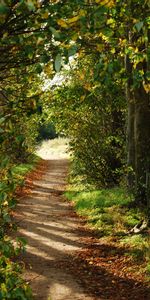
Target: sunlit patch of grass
(23, 168)
(98, 198)
(108, 212)
(131, 218)
(139, 246)
(20, 170)
(103, 208)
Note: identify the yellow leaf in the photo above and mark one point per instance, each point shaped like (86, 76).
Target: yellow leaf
(45, 15)
(70, 21)
(30, 78)
(5, 34)
(82, 13)
(100, 47)
(80, 53)
(75, 37)
(113, 50)
(82, 97)
(87, 86)
(73, 20)
(48, 69)
(39, 40)
(81, 75)
(108, 3)
(146, 87)
(62, 23)
(66, 46)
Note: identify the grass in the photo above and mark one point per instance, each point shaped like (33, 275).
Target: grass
(23, 168)
(99, 198)
(103, 208)
(20, 170)
(108, 212)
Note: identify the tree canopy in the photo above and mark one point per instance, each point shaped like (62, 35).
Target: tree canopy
(103, 104)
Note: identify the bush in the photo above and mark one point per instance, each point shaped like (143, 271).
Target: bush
(46, 132)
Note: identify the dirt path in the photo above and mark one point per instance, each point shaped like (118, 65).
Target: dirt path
(47, 223)
(64, 259)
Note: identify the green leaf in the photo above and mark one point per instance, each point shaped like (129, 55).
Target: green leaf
(72, 50)
(55, 33)
(139, 26)
(2, 120)
(4, 162)
(3, 196)
(39, 68)
(29, 51)
(6, 218)
(20, 138)
(45, 58)
(21, 240)
(101, 10)
(108, 32)
(12, 203)
(1, 130)
(3, 187)
(3, 9)
(58, 62)
(30, 5)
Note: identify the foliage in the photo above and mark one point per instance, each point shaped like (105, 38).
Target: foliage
(23, 58)
(116, 33)
(12, 286)
(110, 39)
(46, 132)
(35, 36)
(84, 109)
(25, 43)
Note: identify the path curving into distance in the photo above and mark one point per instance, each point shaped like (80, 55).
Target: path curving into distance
(48, 224)
(61, 249)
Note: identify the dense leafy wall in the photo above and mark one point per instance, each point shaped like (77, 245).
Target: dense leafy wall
(92, 113)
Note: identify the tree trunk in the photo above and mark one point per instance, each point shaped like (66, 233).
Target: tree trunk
(130, 127)
(142, 145)
(131, 144)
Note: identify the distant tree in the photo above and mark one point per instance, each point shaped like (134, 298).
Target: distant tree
(94, 119)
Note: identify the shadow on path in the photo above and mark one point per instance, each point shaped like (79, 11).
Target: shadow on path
(50, 227)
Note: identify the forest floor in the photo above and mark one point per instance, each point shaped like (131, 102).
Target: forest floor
(64, 259)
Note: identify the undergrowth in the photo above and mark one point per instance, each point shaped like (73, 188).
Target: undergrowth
(108, 212)
(12, 286)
